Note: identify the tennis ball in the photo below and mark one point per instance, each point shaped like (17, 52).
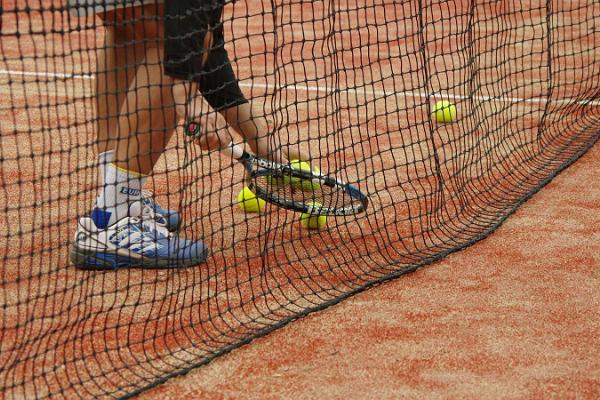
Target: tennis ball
(313, 221)
(444, 111)
(248, 201)
(304, 184)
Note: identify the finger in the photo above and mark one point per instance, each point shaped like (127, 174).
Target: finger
(209, 141)
(282, 160)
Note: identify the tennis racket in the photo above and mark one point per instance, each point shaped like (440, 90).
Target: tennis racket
(291, 188)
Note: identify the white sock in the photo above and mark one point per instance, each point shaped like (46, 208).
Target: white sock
(120, 189)
(103, 160)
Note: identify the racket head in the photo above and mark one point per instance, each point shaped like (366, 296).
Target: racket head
(295, 189)
(306, 192)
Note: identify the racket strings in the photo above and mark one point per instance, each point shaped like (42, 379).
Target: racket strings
(304, 192)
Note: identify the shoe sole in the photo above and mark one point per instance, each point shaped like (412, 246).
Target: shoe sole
(91, 260)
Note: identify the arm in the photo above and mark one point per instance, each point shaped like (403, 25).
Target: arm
(221, 90)
(249, 123)
(219, 86)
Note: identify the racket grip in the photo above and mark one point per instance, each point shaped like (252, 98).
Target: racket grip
(233, 150)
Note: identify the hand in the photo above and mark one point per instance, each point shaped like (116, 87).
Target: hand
(268, 147)
(265, 147)
(209, 141)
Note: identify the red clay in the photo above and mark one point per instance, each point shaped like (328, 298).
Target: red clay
(514, 317)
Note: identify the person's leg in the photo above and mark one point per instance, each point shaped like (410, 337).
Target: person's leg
(117, 63)
(119, 233)
(140, 130)
(140, 143)
(129, 72)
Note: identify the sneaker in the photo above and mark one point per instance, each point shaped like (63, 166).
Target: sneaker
(135, 241)
(172, 217)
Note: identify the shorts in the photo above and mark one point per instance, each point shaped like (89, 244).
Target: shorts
(217, 81)
(186, 24)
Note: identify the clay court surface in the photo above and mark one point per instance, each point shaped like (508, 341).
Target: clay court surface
(514, 316)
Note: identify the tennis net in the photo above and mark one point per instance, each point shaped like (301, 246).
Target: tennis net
(351, 83)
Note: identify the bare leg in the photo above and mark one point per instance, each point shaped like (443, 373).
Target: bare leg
(140, 144)
(121, 69)
(115, 70)
(129, 123)
(149, 110)
(134, 128)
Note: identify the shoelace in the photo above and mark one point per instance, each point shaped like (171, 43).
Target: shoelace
(148, 202)
(153, 221)
(144, 231)
(148, 199)
(139, 239)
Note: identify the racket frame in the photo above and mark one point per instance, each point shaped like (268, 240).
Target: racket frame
(257, 167)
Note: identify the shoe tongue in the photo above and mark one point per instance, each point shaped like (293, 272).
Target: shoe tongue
(135, 209)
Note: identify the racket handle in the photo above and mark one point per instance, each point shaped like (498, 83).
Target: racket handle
(233, 150)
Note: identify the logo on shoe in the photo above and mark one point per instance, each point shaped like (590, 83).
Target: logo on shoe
(131, 191)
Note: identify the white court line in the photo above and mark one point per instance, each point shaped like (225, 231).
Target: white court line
(367, 92)
(450, 96)
(46, 74)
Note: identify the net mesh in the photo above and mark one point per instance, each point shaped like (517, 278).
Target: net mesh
(349, 83)
(298, 192)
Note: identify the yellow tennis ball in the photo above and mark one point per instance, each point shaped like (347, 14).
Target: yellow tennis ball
(248, 201)
(310, 221)
(299, 165)
(444, 111)
(304, 184)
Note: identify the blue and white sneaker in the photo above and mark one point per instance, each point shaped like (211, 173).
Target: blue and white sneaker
(172, 217)
(135, 241)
